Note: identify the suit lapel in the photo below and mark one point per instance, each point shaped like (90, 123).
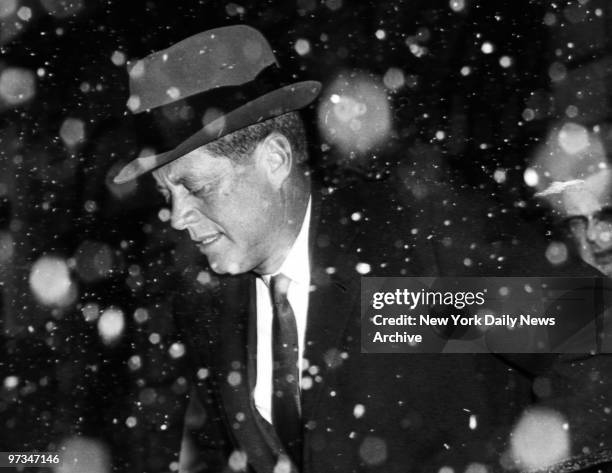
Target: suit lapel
(234, 355)
(236, 367)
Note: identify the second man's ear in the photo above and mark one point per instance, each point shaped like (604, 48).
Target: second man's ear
(277, 157)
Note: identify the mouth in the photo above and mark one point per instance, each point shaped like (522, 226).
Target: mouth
(603, 257)
(208, 240)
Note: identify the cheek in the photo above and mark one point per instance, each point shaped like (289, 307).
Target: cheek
(605, 237)
(579, 239)
(586, 253)
(245, 216)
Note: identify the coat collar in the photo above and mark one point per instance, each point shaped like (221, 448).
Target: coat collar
(233, 354)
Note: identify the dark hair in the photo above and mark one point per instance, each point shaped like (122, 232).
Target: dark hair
(238, 145)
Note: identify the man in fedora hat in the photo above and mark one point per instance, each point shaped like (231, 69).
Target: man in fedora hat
(275, 347)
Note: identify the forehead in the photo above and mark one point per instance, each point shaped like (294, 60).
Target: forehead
(198, 164)
(583, 202)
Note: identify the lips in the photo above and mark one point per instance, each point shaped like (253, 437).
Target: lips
(603, 257)
(208, 240)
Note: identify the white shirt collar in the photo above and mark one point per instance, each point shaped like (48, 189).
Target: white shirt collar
(296, 265)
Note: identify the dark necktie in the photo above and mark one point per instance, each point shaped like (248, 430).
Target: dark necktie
(286, 410)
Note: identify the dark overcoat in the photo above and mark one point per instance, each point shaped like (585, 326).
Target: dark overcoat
(386, 413)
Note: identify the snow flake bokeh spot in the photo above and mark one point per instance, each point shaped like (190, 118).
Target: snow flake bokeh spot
(17, 85)
(540, 439)
(90, 311)
(531, 177)
(137, 69)
(505, 61)
(333, 5)
(25, 14)
(111, 325)
(557, 72)
(204, 278)
(237, 461)
(141, 315)
(457, 5)
(233, 9)
(373, 450)
(214, 118)
(234, 378)
(333, 358)
(176, 350)
(302, 46)
(306, 383)
(118, 58)
(476, 467)
(51, 283)
(394, 79)
(83, 454)
(573, 138)
(135, 362)
(363, 268)
(133, 103)
(164, 214)
(11, 382)
(556, 252)
(358, 411)
(487, 47)
(173, 92)
(94, 261)
(473, 422)
(283, 465)
(499, 176)
(354, 113)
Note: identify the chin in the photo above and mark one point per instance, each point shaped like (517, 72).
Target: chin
(226, 267)
(606, 269)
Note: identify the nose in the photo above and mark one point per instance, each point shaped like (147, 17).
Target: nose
(183, 213)
(592, 230)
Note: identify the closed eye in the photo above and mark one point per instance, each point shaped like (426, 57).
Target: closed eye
(575, 223)
(202, 188)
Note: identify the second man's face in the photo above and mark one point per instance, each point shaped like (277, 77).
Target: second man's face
(589, 220)
(229, 209)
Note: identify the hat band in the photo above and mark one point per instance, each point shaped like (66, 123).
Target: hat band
(163, 128)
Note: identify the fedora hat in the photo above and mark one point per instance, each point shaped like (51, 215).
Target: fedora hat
(203, 88)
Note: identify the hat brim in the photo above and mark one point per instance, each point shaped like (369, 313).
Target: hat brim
(273, 104)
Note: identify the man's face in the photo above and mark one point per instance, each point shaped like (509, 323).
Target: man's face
(231, 210)
(589, 219)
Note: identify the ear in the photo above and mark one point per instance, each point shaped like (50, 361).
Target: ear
(276, 158)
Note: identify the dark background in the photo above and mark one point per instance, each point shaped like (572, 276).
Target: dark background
(60, 378)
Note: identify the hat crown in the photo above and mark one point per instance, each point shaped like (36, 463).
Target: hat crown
(221, 57)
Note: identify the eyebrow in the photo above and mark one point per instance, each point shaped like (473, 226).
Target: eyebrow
(192, 181)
